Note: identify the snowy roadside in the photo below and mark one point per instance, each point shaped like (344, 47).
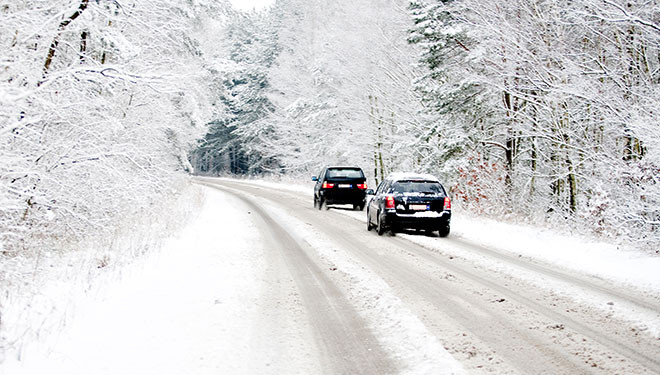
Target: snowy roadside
(201, 286)
(201, 304)
(636, 269)
(42, 295)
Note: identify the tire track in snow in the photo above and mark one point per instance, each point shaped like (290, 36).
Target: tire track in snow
(643, 355)
(399, 331)
(348, 345)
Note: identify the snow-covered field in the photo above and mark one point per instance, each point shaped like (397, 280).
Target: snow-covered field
(198, 304)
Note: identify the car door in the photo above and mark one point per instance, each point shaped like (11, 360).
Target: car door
(385, 190)
(373, 203)
(319, 182)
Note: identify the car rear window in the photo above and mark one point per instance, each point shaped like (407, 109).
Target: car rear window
(345, 173)
(415, 186)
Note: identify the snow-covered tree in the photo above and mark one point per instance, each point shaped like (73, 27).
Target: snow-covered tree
(342, 86)
(100, 102)
(555, 100)
(235, 141)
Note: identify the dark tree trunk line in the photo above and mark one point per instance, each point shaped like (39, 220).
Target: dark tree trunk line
(56, 40)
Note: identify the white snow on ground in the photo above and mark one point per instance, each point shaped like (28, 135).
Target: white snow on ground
(204, 286)
(186, 309)
(590, 257)
(581, 255)
(395, 326)
(601, 260)
(41, 287)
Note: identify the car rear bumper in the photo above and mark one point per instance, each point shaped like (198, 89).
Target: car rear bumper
(336, 196)
(425, 220)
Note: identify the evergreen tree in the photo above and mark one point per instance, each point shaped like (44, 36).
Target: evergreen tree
(234, 142)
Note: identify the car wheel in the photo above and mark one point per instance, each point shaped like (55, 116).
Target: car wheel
(361, 206)
(320, 203)
(369, 226)
(380, 229)
(316, 201)
(444, 231)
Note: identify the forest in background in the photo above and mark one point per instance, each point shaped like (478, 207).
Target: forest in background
(541, 111)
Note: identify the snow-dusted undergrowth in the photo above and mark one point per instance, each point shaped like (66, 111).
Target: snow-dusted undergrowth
(40, 288)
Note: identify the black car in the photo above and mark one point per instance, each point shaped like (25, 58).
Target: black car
(416, 201)
(340, 185)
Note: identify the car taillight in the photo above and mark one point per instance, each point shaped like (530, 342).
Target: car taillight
(362, 186)
(389, 201)
(328, 185)
(447, 204)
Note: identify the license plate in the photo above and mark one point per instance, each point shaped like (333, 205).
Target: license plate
(419, 207)
(344, 186)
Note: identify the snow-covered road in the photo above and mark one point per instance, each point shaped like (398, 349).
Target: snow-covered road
(491, 310)
(263, 283)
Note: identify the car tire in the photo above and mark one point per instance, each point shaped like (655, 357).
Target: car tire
(361, 206)
(316, 201)
(320, 203)
(369, 226)
(444, 231)
(380, 229)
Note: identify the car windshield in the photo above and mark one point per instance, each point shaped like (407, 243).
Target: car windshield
(345, 173)
(418, 187)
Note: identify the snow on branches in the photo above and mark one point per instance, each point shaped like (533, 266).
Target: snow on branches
(563, 94)
(99, 102)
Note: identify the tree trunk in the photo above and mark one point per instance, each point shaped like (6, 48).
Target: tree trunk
(83, 46)
(572, 186)
(56, 40)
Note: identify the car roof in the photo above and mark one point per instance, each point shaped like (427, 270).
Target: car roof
(343, 167)
(399, 176)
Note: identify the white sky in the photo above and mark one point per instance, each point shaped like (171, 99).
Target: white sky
(250, 4)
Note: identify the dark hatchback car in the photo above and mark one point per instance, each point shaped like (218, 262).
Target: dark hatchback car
(340, 185)
(414, 201)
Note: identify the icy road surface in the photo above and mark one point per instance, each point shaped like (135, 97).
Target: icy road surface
(263, 283)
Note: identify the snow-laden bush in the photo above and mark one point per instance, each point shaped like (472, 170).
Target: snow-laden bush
(99, 104)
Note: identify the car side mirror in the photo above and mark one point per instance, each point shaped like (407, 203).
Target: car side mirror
(370, 192)
(314, 178)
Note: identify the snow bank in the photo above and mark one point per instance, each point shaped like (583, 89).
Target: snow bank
(580, 254)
